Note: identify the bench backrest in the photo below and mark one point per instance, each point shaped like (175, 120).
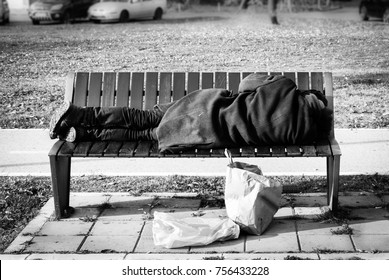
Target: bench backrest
(142, 90)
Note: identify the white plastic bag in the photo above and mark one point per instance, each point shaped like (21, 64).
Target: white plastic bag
(171, 230)
(251, 199)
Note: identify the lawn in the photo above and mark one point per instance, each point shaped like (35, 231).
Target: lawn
(34, 61)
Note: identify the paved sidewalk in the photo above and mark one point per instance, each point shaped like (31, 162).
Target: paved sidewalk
(119, 226)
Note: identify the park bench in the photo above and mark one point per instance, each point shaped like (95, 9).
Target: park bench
(143, 91)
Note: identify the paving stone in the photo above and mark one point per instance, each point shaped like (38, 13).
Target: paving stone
(369, 213)
(353, 201)
(17, 257)
(310, 212)
(166, 256)
(307, 227)
(123, 214)
(83, 213)
(134, 202)
(54, 243)
(91, 200)
(235, 245)
(286, 242)
(76, 256)
(274, 256)
(148, 229)
(146, 245)
(109, 244)
(19, 244)
(355, 256)
(284, 213)
(370, 227)
(173, 203)
(278, 226)
(314, 242)
(370, 242)
(117, 228)
(66, 228)
(309, 201)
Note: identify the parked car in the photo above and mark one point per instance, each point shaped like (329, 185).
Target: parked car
(124, 10)
(4, 12)
(64, 11)
(375, 9)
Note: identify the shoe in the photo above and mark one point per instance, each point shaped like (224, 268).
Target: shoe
(56, 120)
(274, 20)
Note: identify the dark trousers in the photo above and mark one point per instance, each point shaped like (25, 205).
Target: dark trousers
(117, 123)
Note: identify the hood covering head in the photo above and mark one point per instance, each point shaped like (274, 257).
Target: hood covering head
(255, 80)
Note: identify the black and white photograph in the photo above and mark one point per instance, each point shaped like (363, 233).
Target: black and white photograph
(194, 138)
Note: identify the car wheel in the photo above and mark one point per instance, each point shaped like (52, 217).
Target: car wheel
(158, 14)
(35, 22)
(124, 16)
(363, 13)
(385, 18)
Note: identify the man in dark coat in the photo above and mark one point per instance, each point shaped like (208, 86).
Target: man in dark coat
(266, 110)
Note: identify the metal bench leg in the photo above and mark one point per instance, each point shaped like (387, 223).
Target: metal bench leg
(333, 170)
(60, 176)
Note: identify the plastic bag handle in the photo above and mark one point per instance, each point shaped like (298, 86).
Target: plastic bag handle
(228, 155)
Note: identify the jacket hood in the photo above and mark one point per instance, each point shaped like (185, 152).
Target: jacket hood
(255, 80)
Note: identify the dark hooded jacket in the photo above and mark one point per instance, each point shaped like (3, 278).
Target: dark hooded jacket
(267, 110)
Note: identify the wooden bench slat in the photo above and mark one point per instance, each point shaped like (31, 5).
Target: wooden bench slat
(136, 95)
(263, 151)
(154, 150)
(143, 149)
(206, 80)
(290, 75)
(94, 96)
(123, 89)
(317, 81)
(128, 149)
(98, 148)
(233, 82)
(108, 98)
(189, 153)
(293, 151)
(81, 89)
(69, 87)
(278, 151)
(165, 88)
(178, 85)
(309, 151)
(203, 152)
(323, 148)
(113, 148)
(248, 151)
(220, 80)
(82, 149)
(193, 81)
(303, 80)
(151, 90)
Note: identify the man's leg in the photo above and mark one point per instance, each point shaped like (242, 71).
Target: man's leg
(114, 134)
(272, 9)
(70, 115)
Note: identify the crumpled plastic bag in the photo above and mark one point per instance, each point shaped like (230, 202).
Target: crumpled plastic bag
(171, 230)
(251, 199)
